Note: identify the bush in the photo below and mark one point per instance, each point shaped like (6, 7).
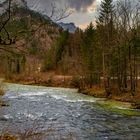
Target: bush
(76, 82)
(34, 48)
(49, 63)
(1, 89)
(2, 92)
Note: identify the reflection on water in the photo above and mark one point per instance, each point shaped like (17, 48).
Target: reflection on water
(59, 113)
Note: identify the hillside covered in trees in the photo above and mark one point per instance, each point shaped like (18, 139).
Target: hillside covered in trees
(34, 34)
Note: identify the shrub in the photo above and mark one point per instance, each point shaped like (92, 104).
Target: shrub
(76, 82)
(1, 89)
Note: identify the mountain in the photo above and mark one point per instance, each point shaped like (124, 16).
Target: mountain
(68, 26)
(4, 3)
(22, 5)
(35, 36)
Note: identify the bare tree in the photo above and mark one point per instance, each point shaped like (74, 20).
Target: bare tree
(55, 16)
(127, 25)
(5, 39)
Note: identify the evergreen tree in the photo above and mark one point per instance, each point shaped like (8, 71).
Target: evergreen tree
(88, 53)
(60, 45)
(105, 29)
(106, 12)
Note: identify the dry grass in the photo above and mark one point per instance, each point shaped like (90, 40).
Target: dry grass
(1, 89)
(94, 91)
(7, 137)
(38, 135)
(2, 92)
(44, 79)
(125, 96)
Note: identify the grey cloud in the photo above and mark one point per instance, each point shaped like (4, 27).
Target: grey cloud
(78, 5)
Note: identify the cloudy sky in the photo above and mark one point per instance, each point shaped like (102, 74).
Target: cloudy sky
(84, 11)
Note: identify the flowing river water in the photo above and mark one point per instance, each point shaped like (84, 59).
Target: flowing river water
(45, 113)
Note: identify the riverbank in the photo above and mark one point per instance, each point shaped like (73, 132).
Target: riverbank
(1, 89)
(43, 79)
(125, 97)
(2, 92)
(53, 80)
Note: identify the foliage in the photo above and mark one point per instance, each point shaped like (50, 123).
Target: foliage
(34, 48)
(90, 55)
(48, 61)
(76, 82)
(60, 45)
(1, 89)
(106, 11)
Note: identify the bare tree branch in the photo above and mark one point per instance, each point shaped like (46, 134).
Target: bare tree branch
(8, 40)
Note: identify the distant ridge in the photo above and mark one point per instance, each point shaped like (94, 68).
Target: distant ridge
(68, 27)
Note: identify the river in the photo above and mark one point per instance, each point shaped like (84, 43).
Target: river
(45, 113)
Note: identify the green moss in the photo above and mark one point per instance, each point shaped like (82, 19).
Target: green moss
(119, 108)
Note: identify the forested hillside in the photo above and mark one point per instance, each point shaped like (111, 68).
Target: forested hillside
(35, 35)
